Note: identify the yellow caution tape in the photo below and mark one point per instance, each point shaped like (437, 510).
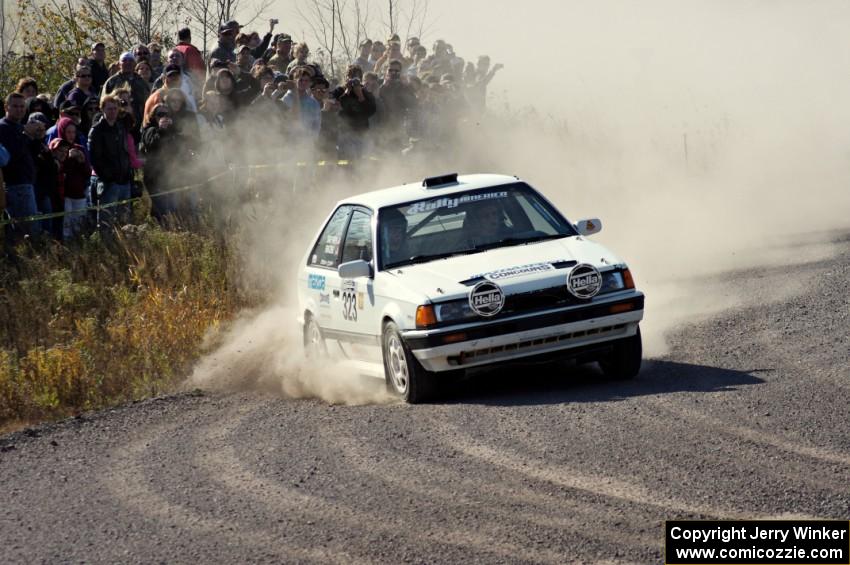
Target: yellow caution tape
(39, 217)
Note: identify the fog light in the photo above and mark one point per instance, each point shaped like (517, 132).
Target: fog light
(624, 307)
(454, 338)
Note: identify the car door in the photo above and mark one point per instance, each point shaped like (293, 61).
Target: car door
(358, 313)
(323, 282)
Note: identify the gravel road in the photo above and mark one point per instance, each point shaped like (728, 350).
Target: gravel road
(746, 416)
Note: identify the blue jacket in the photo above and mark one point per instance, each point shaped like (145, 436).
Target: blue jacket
(311, 112)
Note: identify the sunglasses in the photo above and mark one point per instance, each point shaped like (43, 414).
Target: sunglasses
(163, 115)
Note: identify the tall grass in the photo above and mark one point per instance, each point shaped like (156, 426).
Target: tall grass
(108, 320)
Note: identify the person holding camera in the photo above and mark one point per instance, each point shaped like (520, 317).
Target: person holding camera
(159, 145)
(259, 46)
(126, 76)
(329, 128)
(357, 105)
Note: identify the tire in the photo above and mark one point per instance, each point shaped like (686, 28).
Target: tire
(405, 377)
(624, 361)
(314, 342)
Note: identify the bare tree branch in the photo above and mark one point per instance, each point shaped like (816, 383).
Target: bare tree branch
(339, 26)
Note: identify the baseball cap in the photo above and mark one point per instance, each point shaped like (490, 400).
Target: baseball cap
(68, 105)
(39, 117)
(231, 25)
(242, 48)
(172, 69)
(283, 37)
(127, 55)
(280, 77)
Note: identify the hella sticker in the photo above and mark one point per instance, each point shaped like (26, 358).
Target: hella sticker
(584, 281)
(486, 299)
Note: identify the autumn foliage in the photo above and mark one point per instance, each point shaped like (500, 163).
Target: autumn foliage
(112, 320)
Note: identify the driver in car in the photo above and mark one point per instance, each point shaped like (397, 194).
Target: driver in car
(485, 223)
(394, 226)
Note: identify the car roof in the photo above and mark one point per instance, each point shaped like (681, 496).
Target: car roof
(416, 191)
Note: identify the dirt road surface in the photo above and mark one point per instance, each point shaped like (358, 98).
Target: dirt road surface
(747, 416)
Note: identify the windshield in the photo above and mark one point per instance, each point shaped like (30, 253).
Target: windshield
(466, 222)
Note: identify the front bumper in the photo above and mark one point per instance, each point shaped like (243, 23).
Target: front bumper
(516, 338)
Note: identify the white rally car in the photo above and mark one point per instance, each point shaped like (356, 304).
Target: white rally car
(457, 272)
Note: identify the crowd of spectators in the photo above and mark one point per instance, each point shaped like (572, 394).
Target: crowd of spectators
(113, 130)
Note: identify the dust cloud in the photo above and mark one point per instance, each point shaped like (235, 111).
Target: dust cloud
(708, 137)
(263, 351)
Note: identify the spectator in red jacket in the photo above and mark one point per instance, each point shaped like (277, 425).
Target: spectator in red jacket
(74, 175)
(193, 61)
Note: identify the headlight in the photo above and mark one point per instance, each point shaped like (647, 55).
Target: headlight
(612, 281)
(455, 311)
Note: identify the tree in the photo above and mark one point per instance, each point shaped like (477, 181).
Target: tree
(44, 38)
(208, 15)
(49, 40)
(339, 26)
(9, 28)
(127, 24)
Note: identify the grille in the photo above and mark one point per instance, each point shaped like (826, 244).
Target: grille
(533, 344)
(543, 299)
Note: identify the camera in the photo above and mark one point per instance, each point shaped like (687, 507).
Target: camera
(274, 21)
(354, 82)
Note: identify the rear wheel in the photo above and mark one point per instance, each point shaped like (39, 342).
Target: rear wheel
(405, 376)
(314, 343)
(624, 360)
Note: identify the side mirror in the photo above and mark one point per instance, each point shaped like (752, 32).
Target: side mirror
(354, 269)
(589, 227)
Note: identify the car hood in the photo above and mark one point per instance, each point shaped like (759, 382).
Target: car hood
(518, 268)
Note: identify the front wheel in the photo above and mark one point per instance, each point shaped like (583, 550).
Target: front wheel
(405, 376)
(624, 361)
